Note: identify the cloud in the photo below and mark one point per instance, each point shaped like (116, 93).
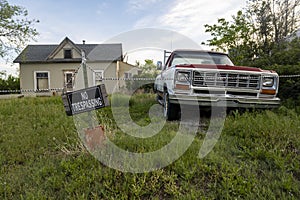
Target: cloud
(9, 69)
(188, 17)
(146, 22)
(141, 5)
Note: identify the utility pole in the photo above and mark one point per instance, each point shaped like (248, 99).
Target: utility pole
(86, 85)
(83, 63)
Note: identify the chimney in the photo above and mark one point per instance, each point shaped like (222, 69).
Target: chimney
(83, 41)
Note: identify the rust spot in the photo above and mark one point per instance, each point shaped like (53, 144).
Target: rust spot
(94, 138)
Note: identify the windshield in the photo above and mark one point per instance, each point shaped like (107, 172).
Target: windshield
(201, 58)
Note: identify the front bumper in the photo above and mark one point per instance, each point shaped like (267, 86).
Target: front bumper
(225, 101)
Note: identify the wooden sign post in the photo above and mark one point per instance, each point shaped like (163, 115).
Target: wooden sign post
(87, 100)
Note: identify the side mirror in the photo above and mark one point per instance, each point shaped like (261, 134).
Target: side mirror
(159, 65)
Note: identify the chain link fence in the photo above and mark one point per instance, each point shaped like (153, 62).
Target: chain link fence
(59, 91)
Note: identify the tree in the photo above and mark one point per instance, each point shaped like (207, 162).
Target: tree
(15, 28)
(288, 53)
(235, 37)
(9, 83)
(258, 33)
(143, 80)
(275, 20)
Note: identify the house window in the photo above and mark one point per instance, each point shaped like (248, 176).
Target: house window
(42, 81)
(127, 75)
(69, 80)
(98, 77)
(67, 53)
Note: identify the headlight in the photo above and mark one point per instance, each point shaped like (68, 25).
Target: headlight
(268, 81)
(269, 85)
(183, 77)
(183, 80)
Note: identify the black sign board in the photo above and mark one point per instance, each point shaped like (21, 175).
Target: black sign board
(85, 100)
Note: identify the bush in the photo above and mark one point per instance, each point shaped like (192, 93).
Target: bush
(11, 83)
(289, 87)
(144, 81)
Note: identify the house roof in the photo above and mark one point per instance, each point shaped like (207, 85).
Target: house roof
(93, 52)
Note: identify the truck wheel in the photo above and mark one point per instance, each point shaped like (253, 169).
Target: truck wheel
(171, 111)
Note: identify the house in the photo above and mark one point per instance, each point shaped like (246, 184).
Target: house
(55, 68)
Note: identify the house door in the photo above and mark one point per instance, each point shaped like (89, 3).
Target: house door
(69, 80)
(42, 80)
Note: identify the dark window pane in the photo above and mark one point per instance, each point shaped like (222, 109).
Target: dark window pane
(67, 53)
(69, 78)
(42, 75)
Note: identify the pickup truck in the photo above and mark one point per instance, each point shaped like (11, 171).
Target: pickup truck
(206, 79)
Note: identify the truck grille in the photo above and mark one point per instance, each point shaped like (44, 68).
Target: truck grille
(225, 79)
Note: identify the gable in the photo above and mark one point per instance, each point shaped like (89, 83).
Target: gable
(65, 46)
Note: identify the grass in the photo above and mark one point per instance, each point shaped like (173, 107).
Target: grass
(41, 156)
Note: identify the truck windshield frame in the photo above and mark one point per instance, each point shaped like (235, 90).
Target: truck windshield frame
(200, 58)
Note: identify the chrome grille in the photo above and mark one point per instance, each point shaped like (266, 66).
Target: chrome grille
(226, 79)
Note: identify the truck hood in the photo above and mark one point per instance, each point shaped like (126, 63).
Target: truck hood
(224, 67)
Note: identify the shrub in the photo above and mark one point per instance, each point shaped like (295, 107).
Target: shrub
(11, 83)
(289, 87)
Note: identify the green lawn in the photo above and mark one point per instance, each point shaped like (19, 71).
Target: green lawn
(42, 157)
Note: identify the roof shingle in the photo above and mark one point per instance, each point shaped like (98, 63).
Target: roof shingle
(94, 52)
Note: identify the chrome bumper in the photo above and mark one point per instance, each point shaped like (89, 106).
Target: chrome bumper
(225, 101)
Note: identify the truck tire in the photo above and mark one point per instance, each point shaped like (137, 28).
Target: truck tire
(171, 110)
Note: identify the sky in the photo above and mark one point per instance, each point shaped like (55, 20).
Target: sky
(98, 21)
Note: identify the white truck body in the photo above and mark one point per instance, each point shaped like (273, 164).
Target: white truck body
(210, 79)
